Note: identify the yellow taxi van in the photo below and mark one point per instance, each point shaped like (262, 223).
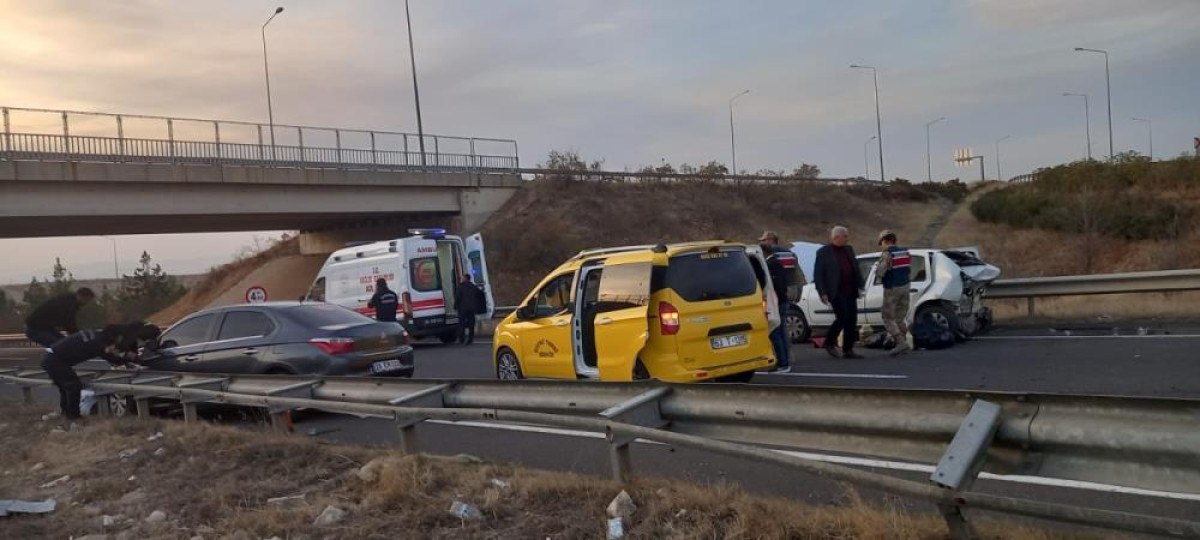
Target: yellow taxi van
(678, 313)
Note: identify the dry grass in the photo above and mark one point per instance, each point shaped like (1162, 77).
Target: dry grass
(1104, 309)
(215, 480)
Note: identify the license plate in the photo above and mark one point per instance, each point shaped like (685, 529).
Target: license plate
(386, 366)
(724, 342)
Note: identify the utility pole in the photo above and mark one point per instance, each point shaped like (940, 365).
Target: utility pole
(878, 119)
(732, 141)
(412, 59)
(928, 162)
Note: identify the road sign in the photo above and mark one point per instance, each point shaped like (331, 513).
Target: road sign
(964, 156)
(256, 295)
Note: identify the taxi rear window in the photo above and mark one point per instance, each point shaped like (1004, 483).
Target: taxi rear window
(697, 277)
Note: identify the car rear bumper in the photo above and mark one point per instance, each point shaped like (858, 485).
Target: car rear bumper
(361, 366)
(676, 372)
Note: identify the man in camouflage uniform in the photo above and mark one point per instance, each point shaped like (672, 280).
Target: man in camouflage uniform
(894, 266)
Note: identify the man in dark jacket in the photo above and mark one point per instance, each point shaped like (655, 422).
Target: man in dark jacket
(115, 343)
(839, 282)
(384, 302)
(46, 324)
(469, 300)
(780, 279)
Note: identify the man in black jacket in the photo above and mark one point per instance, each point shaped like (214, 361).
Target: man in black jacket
(384, 302)
(469, 300)
(115, 343)
(780, 279)
(57, 315)
(839, 282)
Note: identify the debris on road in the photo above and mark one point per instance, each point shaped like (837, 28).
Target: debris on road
(8, 506)
(127, 453)
(290, 499)
(616, 528)
(465, 511)
(622, 506)
(154, 437)
(60, 480)
(157, 516)
(160, 451)
(37, 467)
(331, 515)
(502, 484)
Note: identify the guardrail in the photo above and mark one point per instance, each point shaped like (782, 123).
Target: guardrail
(1141, 442)
(1130, 282)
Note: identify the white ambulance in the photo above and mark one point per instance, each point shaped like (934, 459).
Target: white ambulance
(423, 269)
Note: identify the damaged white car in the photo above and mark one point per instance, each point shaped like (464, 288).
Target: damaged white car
(947, 291)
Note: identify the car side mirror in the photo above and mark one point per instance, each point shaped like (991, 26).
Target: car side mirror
(167, 344)
(525, 313)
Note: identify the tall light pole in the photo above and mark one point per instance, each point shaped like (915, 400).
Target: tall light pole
(999, 176)
(878, 121)
(928, 165)
(867, 157)
(1149, 131)
(732, 141)
(412, 60)
(1087, 121)
(267, 74)
(1107, 95)
(116, 270)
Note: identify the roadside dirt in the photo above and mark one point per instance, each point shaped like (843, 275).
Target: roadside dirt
(219, 481)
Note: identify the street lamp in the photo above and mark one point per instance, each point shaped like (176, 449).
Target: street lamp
(999, 176)
(116, 270)
(1087, 122)
(1107, 95)
(928, 165)
(412, 60)
(267, 74)
(878, 121)
(732, 141)
(867, 156)
(1149, 131)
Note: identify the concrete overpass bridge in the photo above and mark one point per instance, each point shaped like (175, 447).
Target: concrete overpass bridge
(78, 173)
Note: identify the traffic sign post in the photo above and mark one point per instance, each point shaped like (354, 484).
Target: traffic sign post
(964, 156)
(256, 295)
(1196, 145)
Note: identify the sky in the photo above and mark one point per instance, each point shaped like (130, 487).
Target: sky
(630, 83)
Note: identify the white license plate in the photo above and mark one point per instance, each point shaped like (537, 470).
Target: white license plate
(724, 342)
(386, 366)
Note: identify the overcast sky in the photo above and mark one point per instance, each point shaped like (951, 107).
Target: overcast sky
(627, 82)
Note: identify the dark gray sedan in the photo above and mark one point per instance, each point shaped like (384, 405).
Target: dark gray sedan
(283, 337)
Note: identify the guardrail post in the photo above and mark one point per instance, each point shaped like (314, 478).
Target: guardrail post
(641, 410)
(27, 394)
(1029, 307)
(281, 417)
(432, 397)
(7, 131)
(171, 138)
(516, 156)
(962, 461)
(217, 137)
(300, 132)
(405, 149)
(190, 414)
(474, 160)
(437, 154)
(337, 137)
(374, 159)
(262, 156)
(143, 408)
(121, 137)
(66, 135)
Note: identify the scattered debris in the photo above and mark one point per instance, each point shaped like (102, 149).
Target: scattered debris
(468, 458)
(93, 537)
(109, 521)
(47, 417)
(622, 506)
(370, 471)
(205, 529)
(465, 511)
(60, 480)
(92, 510)
(154, 437)
(331, 515)
(133, 478)
(37, 467)
(128, 453)
(314, 432)
(502, 484)
(681, 513)
(133, 497)
(616, 528)
(157, 516)
(58, 431)
(9, 506)
(160, 451)
(286, 500)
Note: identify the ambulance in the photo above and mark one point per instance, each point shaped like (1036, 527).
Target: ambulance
(423, 269)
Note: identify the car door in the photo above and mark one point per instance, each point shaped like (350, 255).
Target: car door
(870, 304)
(921, 280)
(243, 339)
(621, 326)
(181, 346)
(479, 272)
(545, 335)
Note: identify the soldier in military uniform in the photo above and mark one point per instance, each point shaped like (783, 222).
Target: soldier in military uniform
(894, 265)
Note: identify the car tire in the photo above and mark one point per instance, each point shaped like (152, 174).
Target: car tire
(508, 367)
(797, 326)
(743, 377)
(121, 405)
(640, 373)
(448, 337)
(941, 317)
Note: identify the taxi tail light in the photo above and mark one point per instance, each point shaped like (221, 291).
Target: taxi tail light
(333, 345)
(407, 299)
(668, 319)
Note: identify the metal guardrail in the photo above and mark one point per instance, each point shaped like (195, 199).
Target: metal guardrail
(1142, 442)
(1130, 282)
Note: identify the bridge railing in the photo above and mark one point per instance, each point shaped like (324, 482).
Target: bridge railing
(386, 149)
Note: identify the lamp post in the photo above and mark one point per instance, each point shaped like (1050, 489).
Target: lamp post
(867, 157)
(1149, 131)
(116, 270)
(1087, 122)
(267, 75)
(928, 165)
(412, 60)
(999, 176)
(878, 120)
(732, 140)
(1107, 95)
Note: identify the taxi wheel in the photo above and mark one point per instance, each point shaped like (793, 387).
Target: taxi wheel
(508, 368)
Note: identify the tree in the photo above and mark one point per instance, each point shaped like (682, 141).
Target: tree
(62, 280)
(147, 291)
(713, 168)
(10, 318)
(35, 295)
(569, 160)
(807, 170)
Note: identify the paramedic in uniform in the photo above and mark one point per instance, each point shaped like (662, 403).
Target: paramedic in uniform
(895, 266)
(469, 300)
(384, 302)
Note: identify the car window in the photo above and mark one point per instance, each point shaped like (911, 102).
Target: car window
(317, 292)
(624, 286)
(189, 332)
(920, 268)
(555, 296)
(322, 315)
(865, 265)
(711, 275)
(241, 324)
(425, 274)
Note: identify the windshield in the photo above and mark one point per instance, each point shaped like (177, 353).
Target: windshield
(697, 277)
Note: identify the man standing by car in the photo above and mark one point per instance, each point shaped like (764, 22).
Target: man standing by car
(769, 242)
(894, 266)
(469, 301)
(384, 302)
(115, 343)
(57, 315)
(839, 282)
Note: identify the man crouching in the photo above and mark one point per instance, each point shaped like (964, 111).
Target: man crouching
(115, 343)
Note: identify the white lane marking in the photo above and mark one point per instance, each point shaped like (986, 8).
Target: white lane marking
(1026, 338)
(865, 462)
(840, 375)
